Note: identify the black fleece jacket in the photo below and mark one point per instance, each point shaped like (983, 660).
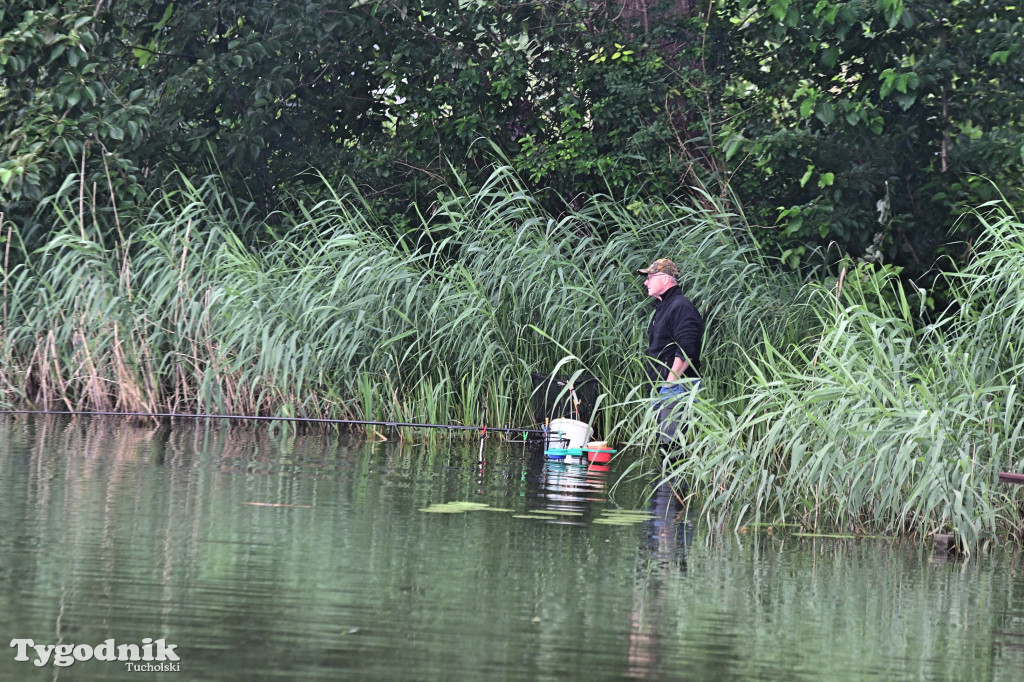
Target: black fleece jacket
(677, 330)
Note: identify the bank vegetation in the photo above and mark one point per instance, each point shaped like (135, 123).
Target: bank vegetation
(841, 401)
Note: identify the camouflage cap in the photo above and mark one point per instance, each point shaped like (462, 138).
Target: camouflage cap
(661, 266)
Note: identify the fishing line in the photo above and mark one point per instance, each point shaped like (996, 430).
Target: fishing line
(314, 420)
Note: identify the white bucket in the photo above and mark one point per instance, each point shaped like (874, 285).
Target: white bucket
(568, 433)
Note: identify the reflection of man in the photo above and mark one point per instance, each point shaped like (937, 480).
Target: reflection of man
(674, 343)
(661, 560)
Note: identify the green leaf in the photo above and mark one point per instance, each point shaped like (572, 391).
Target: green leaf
(888, 79)
(166, 17)
(57, 52)
(794, 225)
(807, 175)
(1001, 56)
(825, 113)
(792, 257)
(779, 9)
(732, 145)
(830, 56)
(906, 100)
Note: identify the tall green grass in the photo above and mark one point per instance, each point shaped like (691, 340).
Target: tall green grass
(827, 403)
(878, 423)
(340, 316)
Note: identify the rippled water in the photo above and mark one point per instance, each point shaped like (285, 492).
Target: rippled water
(311, 557)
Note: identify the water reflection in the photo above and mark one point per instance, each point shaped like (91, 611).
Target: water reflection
(572, 485)
(571, 492)
(307, 557)
(670, 531)
(661, 559)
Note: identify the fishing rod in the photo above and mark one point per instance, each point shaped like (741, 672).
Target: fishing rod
(355, 422)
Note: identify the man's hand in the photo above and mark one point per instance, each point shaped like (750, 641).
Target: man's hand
(678, 367)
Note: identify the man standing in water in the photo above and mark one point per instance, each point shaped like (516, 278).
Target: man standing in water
(673, 349)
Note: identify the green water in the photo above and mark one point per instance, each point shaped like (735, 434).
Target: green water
(308, 557)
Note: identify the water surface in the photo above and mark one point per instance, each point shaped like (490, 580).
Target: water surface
(313, 557)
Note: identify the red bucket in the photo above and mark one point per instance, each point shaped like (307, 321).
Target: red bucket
(598, 452)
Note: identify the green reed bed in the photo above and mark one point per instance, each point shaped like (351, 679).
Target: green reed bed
(878, 423)
(340, 316)
(828, 404)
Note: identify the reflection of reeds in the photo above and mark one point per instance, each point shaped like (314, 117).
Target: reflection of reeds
(341, 317)
(69, 454)
(877, 423)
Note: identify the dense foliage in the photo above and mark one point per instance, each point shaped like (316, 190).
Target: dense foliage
(406, 98)
(869, 124)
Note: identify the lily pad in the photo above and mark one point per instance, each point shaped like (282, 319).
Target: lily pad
(623, 517)
(459, 508)
(556, 512)
(628, 514)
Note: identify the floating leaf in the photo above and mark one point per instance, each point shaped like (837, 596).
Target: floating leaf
(635, 513)
(624, 517)
(459, 507)
(557, 512)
